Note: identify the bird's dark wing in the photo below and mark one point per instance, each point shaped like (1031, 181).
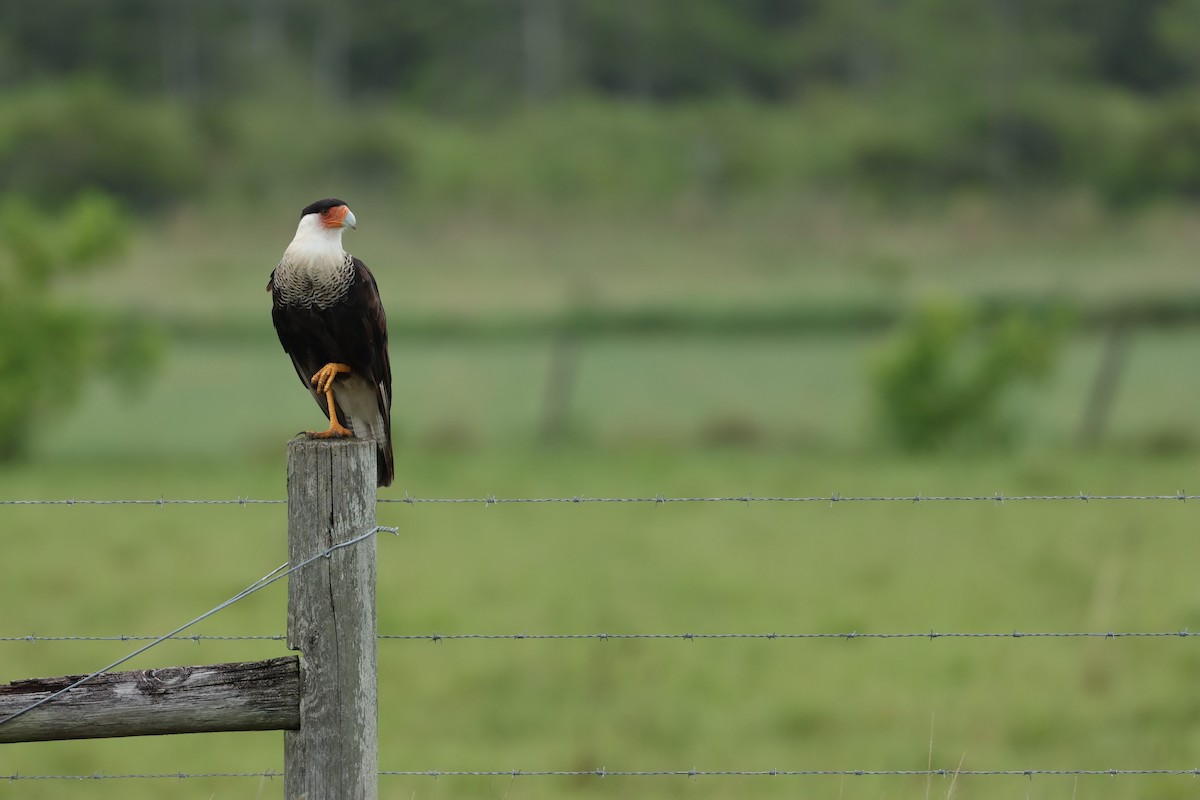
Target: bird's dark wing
(371, 361)
(352, 331)
(364, 295)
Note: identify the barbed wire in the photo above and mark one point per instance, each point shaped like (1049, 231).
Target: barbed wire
(761, 773)
(437, 637)
(100, 776)
(196, 637)
(998, 497)
(665, 773)
(659, 499)
(445, 637)
(277, 574)
(162, 501)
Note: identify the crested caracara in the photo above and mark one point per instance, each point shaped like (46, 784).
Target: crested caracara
(327, 312)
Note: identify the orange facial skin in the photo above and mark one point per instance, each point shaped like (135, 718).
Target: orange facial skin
(334, 217)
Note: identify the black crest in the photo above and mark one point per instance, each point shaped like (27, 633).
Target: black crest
(321, 205)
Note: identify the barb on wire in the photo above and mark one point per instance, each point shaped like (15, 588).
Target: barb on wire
(657, 499)
(930, 635)
(280, 572)
(602, 772)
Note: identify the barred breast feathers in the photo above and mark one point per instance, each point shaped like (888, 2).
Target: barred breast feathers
(302, 280)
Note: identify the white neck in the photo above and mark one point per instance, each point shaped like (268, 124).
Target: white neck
(315, 244)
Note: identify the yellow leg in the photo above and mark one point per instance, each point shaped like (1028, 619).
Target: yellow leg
(323, 382)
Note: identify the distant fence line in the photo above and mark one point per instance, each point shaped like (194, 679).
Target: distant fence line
(569, 331)
(490, 500)
(843, 318)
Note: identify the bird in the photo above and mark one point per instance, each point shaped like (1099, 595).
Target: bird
(326, 310)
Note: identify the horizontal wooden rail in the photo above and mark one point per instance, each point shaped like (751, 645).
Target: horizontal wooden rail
(247, 696)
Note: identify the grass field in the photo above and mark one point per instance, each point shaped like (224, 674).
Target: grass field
(1041, 703)
(676, 417)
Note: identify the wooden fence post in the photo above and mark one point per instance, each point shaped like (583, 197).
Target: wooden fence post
(331, 621)
(1104, 386)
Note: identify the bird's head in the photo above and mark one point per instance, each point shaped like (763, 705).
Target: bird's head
(318, 237)
(330, 214)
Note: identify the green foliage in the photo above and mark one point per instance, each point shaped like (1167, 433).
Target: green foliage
(47, 351)
(589, 153)
(900, 148)
(1160, 155)
(57, 141)
(944, 379)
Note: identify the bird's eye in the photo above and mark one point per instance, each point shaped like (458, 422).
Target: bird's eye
(324, 212)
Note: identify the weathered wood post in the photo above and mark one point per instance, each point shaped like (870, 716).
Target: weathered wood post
(1104, 386)
(331, 621)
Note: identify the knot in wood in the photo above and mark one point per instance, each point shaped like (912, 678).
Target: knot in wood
(157, 681)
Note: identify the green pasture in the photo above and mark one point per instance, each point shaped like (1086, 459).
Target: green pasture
(813, 567)
(660, 415)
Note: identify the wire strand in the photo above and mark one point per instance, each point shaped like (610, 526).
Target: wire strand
(998, 498)
(239, 501)
(1183, 633)
(490, 500)
(931, 634)
(667, 773)
(697, 773)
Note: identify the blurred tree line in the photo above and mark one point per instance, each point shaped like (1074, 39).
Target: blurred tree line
(474, 100)
(449, 53)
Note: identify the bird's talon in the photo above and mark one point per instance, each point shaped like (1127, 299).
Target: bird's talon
(323, 379)
(337, 432)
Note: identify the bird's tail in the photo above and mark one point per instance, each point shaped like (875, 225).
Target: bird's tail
(383, 462)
